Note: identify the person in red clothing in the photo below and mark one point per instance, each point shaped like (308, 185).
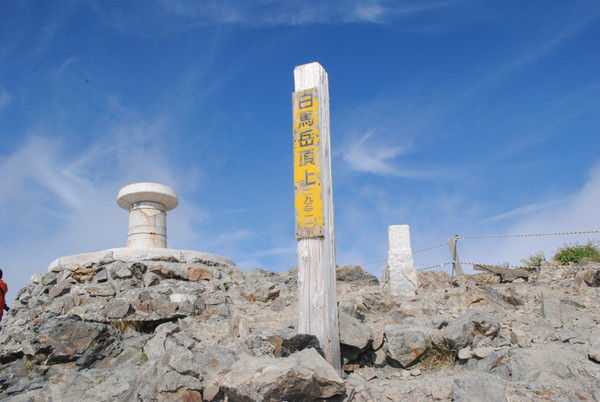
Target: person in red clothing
(3, 291)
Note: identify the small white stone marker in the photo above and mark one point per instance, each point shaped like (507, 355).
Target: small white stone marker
(400, 270)
(147, 204)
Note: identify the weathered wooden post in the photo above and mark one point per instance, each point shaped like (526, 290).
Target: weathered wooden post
(453, 247)
(318, 314)
(400, 271)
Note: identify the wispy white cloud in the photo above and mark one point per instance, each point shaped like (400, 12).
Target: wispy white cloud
(524, 210)
(58, 201)
(186, 14)
(275, 251)
(236, 235)
(578, 212)
(368, 156)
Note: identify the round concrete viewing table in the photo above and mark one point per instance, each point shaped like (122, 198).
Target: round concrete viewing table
(147, 204)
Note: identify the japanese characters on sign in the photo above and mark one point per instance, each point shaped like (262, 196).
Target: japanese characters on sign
(307, 173)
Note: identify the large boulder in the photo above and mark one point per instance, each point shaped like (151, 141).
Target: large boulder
(467, 329)
(405, 344)
(304, 375)
(353, 333)
(71, 339)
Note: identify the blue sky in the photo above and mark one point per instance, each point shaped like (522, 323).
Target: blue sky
(456, 117)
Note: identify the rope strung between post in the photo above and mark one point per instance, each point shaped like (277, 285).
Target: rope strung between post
(434, 266)
(487, 236)
(414, 252)
(499, 236)
(372, 262)
(430, 248)
(495, 265)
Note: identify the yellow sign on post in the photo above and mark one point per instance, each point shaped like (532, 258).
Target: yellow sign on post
(307, 173)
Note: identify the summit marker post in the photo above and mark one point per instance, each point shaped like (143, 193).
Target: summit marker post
(313, 193)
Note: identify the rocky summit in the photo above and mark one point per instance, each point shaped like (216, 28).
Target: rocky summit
(200, 329)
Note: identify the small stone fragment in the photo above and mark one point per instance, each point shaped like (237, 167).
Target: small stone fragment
(118, 309)
(101, 290)
(83, 274)
(594, 354)
(465, 353)
(380, 358)
(483, 352)
(122, 273)
(211, 392)
(150, 279)
(101, 276)
(49, 278)
(378, 337)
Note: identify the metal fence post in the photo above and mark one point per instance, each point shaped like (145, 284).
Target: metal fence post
(453, 247)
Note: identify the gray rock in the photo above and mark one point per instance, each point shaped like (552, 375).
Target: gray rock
(122, 273)
(380, 358)
(211, 392)
(182, 298)
(49, 278)
(405, 344)
(74, 340)
(199, 305)
(353, 333)
(480, 387)
(101, 276)
(286, 344)
(590, 277)
(304, 375)
(62, 305)
(214, 361)
(101, 290)
(483, 352)
(150, 279)
(551, 309)
(562, 365)
(118, 308)
(354, 273)
(462, 331)
(261, 291)
(594, 353)
(138, 270)
(61, 288)
(258, 345)
(182, 360)
(465, 353)
(378, 333)
(155, 347)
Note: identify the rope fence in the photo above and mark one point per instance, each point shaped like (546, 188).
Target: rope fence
(456, 262)
(500, 236)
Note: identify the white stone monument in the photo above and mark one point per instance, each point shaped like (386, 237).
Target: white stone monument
(400, 272)
(147, 204)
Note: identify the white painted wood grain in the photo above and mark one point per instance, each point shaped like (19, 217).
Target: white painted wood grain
(318, 314)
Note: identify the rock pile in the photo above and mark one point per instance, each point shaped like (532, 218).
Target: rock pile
(194, 327)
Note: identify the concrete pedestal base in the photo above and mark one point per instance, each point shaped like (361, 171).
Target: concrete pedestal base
(73, 262)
